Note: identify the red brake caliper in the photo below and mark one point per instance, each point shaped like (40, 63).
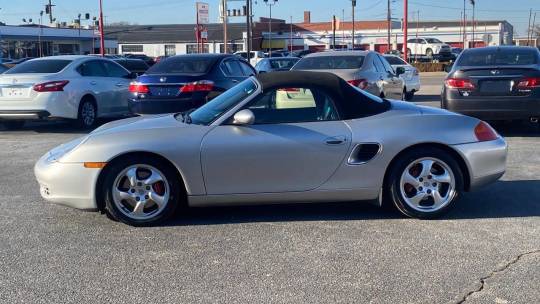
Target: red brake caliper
(159, 187)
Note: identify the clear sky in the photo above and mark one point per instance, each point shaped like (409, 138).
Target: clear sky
(183, 11)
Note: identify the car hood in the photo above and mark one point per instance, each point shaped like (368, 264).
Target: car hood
(144, 122)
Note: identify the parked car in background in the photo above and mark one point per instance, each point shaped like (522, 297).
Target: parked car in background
(159, 58)
(3, 68)
(301, 53)
(276, 64)
(455, 52)
(149, 60)
(411, 75)
(254, 58)
(428, 47)
(135, 66)
(184, 82)
(495, 83)
(366, 70)
(77, 87)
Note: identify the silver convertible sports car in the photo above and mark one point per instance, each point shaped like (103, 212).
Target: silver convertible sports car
(276, 138)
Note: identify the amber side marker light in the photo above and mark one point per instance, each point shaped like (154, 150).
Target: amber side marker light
(484, 132)
(91, 165)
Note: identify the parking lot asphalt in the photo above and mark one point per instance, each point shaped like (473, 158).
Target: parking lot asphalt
(486, 250)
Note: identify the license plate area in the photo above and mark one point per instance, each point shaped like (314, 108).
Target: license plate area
(164, 90)
(14, 92)
(497, 87)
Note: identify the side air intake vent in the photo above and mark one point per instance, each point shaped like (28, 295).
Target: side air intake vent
(363, 153)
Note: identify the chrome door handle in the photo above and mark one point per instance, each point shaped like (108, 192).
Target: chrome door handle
(336, 140)
(93, 82)
(119, 85)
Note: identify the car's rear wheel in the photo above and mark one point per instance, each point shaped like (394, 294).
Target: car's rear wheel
(429, 53)
(424, 183)
(409, 95)
(141, 192)
(87, 114)
(13, 125)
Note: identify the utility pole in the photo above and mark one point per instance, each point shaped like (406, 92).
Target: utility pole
(343, 28)
(270, 3)
(248, 22)
(405, 27)
(334, 32)
(48, 10)
(388, 20)
(291, 37)
(225, 38)
(102, 34)
(464, 24)
(473, 3)
(532, 29)
(353, 8)
(529, 28)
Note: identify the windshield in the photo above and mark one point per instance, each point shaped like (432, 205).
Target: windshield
(330, 63)
(206, 114)
(282, 63)
(495, 56)
(394, 60)
(433, 40)
(182, 65)
(39, 66)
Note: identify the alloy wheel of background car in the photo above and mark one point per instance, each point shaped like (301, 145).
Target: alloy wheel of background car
(425, 183)
(141, 193)
(87, 115)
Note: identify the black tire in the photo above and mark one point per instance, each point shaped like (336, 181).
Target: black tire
(429, 53)
(409, 95)
(176, 196)
(87, 113)
(13, 125)
(392, 189)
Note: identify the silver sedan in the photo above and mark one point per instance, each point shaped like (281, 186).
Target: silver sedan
(276, 138)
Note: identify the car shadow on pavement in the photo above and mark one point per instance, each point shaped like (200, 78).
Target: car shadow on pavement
(504, 199)
(427, 98)
(54, 127)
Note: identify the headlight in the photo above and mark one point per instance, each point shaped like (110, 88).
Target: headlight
(58, 152)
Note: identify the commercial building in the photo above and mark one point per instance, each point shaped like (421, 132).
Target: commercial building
(35, 41)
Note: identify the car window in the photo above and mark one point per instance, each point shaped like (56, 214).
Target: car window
(260, 65)
(232, 68)
(182, 65)
(496, 56)
(39, 66)
(114, 70)
(246, 69)
(387, 67)
(378, 64)
(330, 63)
(394, 60)
(293, 105)
(411, 41)
(433, 40)
(210, 111)
(422, 41)
(92, 68)
(284, 63)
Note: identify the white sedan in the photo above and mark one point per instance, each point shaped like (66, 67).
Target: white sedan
(81, 88)
(411, 75)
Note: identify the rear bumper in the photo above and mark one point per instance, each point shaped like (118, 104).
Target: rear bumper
(493, 107)
(486, 161)
(24, 115)
(162, 106)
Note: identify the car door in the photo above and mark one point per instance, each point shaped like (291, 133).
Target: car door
(233, 72)
(120, 79)
(393, 85)
(94, 79)
(295, 144)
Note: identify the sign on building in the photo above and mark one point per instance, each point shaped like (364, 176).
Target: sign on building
(203, 16)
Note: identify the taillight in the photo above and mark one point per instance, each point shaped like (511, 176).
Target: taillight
(484, 132)
(360, 83)
(52, 86)
(136, 87)
(197, 86)
(529, 83)
(459, 83)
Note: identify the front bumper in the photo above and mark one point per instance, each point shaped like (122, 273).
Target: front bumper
(486, 161)
(68, 184)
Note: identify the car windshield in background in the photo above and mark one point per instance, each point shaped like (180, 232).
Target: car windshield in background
(182, 65)
(433, 40)
(46, 66)
(330, 63)
(282, 63)
(206, 114)
(489, 57)
(394, 60)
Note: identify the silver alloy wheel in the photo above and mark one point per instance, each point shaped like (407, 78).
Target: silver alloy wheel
(88, 113)
(141, 192)
(428, 184)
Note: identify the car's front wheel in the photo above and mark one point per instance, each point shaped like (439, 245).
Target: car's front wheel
(424, 183)
(141, 192)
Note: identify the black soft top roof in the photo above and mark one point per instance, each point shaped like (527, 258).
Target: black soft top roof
(350, 102)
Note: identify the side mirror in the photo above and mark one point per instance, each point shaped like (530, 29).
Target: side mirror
(244, 117)
(400, 71)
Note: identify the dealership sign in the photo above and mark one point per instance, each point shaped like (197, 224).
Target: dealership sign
(203, 16)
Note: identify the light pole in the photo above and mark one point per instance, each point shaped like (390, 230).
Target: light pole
(102, 35)
(473, 3)
(270, 3)
(39, 36)
(353, 2)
